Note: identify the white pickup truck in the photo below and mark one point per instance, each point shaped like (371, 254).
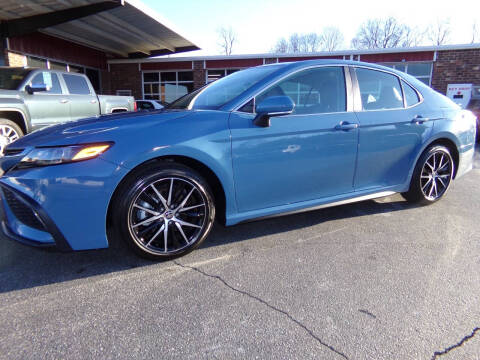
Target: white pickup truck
(34, 98)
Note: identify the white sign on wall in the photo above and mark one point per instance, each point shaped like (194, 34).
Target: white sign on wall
(460, 94)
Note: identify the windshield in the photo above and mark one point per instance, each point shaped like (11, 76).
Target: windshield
(223, 90)
(10, 78)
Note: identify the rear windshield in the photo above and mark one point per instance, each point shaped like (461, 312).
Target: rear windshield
(10, 78)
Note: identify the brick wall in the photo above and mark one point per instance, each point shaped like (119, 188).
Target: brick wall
(199, 74)
(456, 67)
(124, 77)
(14, 59)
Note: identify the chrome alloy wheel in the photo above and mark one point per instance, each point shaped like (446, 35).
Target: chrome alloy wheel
(7, 135)
(168, 215)
(436, 175)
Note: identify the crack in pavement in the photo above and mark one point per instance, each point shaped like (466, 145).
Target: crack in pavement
(366, 312)
(290, 317)
(437, 354)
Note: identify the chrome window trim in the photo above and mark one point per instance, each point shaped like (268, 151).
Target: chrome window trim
(236, 109)
(400, 81)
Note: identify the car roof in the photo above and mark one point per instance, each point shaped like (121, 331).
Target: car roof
(290, 67)
(307, 63)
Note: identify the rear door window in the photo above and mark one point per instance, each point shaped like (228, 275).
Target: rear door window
(76, 85)
(379, 90)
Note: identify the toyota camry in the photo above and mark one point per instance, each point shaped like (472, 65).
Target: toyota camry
(265, 141)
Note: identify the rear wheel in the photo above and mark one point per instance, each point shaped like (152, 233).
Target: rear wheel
(165, 211)
(432, 176)
(9, 132)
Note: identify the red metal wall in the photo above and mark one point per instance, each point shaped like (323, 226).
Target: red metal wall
(38, 44)
(301, 58)
(175, 65)
(233, 63)
(398, 57)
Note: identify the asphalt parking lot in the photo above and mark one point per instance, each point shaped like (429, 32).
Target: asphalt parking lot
(375, 280)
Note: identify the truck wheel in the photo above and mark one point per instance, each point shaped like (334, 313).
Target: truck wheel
(9, 132)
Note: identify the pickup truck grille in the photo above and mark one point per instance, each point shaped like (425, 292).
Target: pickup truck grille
(22, 211)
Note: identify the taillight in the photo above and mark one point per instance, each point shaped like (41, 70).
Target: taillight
(134, 106)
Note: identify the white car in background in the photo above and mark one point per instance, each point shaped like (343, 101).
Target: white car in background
(150, 105)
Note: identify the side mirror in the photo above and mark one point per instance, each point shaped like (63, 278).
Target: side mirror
(36, 88)
(272, 106)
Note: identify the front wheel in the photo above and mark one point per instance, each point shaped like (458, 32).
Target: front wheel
(165, 211)
(432, 176)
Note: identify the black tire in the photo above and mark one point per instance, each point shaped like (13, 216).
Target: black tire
(6, 137)
(431, 181)
(143, 196)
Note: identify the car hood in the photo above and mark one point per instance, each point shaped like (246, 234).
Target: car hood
(9, 93)
(90, 129)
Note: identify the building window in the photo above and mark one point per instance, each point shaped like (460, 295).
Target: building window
(58, 66)
(37, 62)
(167, 86)
(76, 69)
(216, 74)
(422, 71)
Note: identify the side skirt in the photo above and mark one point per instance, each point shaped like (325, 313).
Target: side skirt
(317, 207)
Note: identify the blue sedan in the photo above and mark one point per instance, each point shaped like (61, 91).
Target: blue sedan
(261, 142)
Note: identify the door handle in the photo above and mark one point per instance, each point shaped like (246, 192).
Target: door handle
(93, 101)
(64, 101)
(345, 125)
(419, 119)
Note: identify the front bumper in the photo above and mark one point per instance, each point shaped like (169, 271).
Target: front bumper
(23, 220)
(63, 206)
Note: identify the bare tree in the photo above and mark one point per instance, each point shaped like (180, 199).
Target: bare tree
(302, 43)
(281, 47)
(331, 38)
(380, 34)
(439, 32)
(227, 38)
(313, 42)
(412, 36)
(475, 32)
(294, 45)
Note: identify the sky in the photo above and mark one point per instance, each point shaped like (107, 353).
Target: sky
(260, 23)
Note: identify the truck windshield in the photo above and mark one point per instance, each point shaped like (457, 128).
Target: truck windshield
(11, 78)
(223, 90)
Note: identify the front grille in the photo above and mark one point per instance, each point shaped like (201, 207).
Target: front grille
(23, 212)
(12, 152)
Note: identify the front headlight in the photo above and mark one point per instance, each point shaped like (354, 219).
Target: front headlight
(43, 156)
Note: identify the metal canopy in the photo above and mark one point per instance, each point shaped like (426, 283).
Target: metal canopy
(125, 28)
